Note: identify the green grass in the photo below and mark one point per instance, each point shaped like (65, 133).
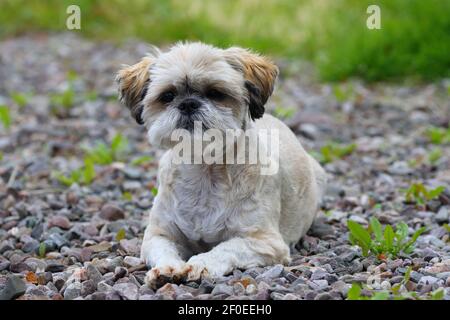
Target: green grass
(106, 154)
(355, 292)
(333, 151)
(438, 135)
(420, 194)
(414, 40)
(83, 176)
(5, 116)
(382, 242)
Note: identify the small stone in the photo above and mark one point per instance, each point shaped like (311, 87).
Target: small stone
(14, 287)
(238, 289)
(128, 291)
(93, 274)
(205, 287)
(358, 219)
(416, 276)
(311, 295)
(120, 272)
(59, 221)
(101, 247)
(443, 215)
(145, 290)
(147, 297)
(78, 275)
(132, 173)
(44, 277)
(96, 296)
(103, 286)
(272, 273)
(36, 265)
(58, 240)
(251, 289)
(331, 278)
(131, 247)
(88, 287)
(59, 282)
(222, 289)
(167, 292)
(111, 213)
(5, 245)
(385, 285)
(72, 291)
(54, 267)
(323, 296)
(318, 284)
(341, 287)
(112, 264)
(112, 295)
(185, 296)
(85, 254)
(318, 275)
(131, 185)
(30, 245)
(290, 296)
(396, 279)
(129, 261)
(349, 256)
(429, 280)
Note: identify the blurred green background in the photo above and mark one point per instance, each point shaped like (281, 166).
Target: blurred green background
(414, 41)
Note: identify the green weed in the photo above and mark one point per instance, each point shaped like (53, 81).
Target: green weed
(5, 116)
(420, 195)
(333, 151)
(382, 242)
(106, 154)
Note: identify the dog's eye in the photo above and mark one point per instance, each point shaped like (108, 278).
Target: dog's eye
(215, 94)
(167, 97)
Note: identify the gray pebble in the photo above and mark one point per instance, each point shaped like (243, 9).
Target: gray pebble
(222, 289)
(72, 291)
(14, 287)
(128, 291)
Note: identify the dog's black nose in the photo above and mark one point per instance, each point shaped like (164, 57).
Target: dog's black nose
(188, 106)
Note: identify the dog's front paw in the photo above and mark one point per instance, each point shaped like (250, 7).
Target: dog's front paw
(203, 266)
(160, 275)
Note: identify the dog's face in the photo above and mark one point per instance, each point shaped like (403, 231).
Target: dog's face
(223, 89)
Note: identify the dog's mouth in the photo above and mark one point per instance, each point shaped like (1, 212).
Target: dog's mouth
(188, 122)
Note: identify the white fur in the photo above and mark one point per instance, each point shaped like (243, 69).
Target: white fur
(210, 219)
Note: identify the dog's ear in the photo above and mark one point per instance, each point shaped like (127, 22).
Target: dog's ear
(260, 74)
(133, 82)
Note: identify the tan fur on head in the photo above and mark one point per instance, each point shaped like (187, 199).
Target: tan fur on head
(132, 82)
(258, 70)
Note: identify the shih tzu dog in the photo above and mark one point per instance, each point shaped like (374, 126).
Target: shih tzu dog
(210, 218)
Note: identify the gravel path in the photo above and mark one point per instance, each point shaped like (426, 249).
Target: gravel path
(82, 242)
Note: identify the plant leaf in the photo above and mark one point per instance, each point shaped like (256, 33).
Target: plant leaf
(361, 235)
(438, 294)
(377, 229)
(380, 295)
(354, 293)
(42, 250)
(89, 170)
(414, 238)
(407, 275)
(389, 238)
(120, 234)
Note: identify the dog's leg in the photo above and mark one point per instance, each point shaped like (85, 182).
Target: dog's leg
(164, 257)
(241, 252)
